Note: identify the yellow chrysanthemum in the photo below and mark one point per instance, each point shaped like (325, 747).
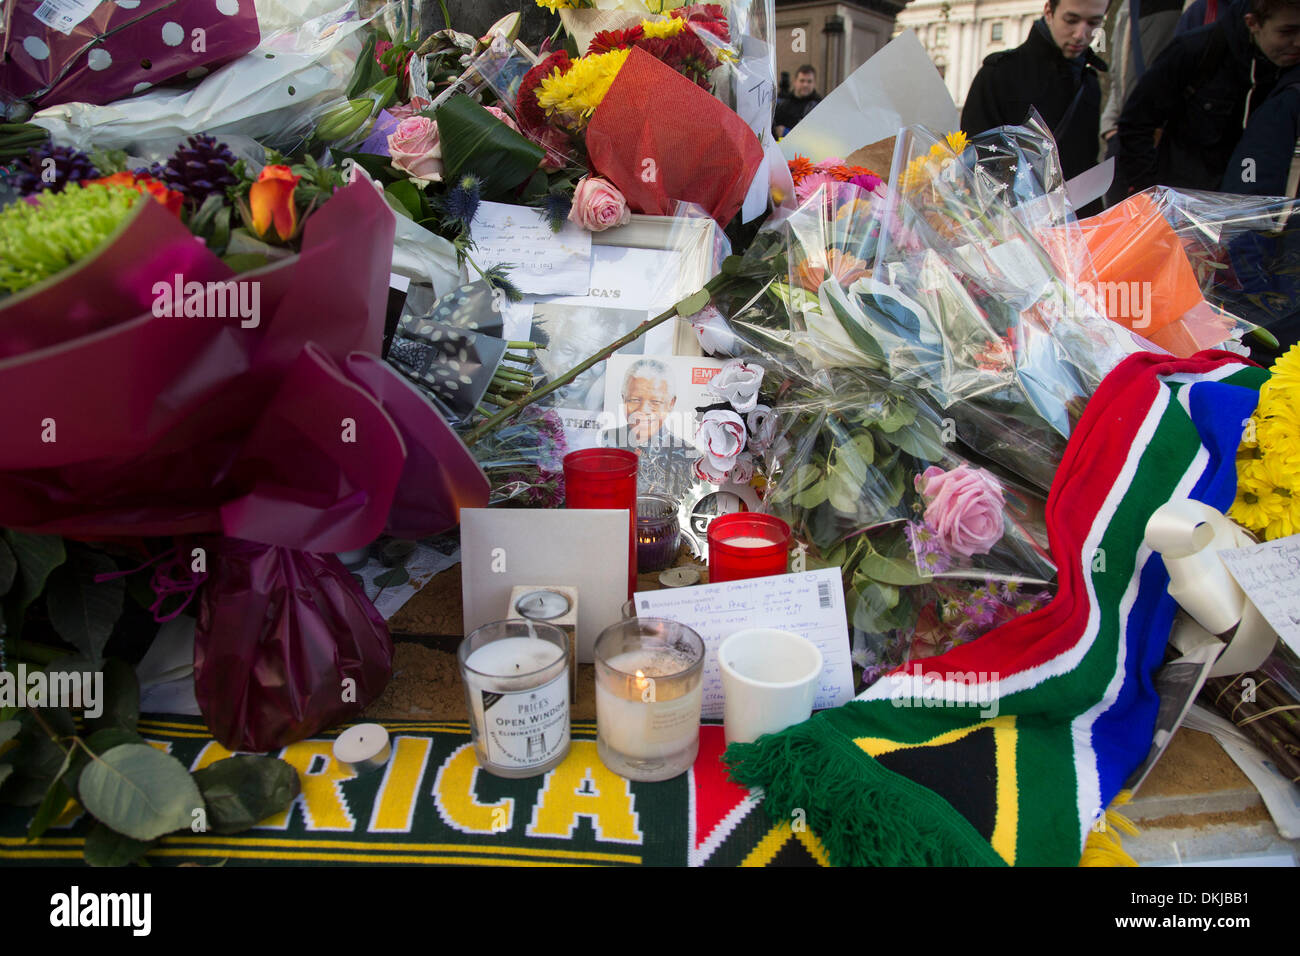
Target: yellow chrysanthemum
(957, 142)
(1285, 374)
(573, 96)
(660, 29)
(556, 5)
(1279, 438)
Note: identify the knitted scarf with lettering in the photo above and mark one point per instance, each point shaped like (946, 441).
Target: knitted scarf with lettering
(1065, 692)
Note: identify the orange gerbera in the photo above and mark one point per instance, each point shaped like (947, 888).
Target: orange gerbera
(840, 266)
(800, 167)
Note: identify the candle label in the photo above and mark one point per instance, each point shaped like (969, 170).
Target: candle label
(526, 728)
(670, 720)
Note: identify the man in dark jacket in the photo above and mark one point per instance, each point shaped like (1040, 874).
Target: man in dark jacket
(798, 103)
(1053, 71)
(1199, 95)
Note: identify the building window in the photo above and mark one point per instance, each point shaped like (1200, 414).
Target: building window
(940, 36)
(995, 33)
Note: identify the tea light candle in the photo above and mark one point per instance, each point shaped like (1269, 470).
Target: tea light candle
(362, 748)
(649, 691)
(516, 676)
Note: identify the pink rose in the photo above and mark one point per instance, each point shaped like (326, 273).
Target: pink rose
(965, 507)
(598, 205)
(418, 104)
(503, 116)
(415, 149)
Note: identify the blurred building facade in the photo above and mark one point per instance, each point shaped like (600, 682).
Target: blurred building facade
(835, 38)
(959, 34)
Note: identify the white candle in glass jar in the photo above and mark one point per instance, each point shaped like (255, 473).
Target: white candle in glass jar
(651, 714)
(519, 701)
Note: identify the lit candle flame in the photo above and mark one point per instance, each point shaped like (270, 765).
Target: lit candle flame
(641, 681)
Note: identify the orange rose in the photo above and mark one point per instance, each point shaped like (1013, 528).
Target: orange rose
(271, 199)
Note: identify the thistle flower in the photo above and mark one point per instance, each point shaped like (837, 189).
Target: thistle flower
(556, 206)
(462, 200)
(497, 278)
(198, 169)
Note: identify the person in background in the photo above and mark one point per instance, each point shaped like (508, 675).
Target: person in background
(1261, 163)
(1055, 72)
(803, 97)
(1200, 95)
(1157, 22)
(1200, 13)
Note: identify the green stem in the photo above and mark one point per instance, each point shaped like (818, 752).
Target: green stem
(511, 375)
(531, 346)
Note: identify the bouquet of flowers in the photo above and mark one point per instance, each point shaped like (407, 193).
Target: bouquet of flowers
(1268, 483)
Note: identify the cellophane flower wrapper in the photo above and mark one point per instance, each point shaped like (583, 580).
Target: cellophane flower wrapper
(115, 49)
(654, 119)
(290, 435)
(524, 460)
(270, 94)
(278, 632)
(844, 475)
(1216, 264)
(1004, 343)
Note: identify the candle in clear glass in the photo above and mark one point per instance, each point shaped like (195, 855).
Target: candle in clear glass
(516, 676)
(657, 532)
(746, 544)
(649, 691)
(605, 478)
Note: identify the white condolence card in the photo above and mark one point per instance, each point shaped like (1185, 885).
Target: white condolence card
(1269, 573)
(808, 603)
(539, 261)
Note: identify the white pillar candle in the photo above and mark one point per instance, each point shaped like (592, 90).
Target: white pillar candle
(518, 693)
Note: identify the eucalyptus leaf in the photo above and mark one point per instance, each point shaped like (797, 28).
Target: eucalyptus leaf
(474, 141)
(120, 706)
(106, 847)
(843, 490)
(37, 556)
(812, 496)
(8, 567)
(82, 611)
(892, 570)
(921, 440)
(56, 798)
(139, 791)
(101, 741)
(392, 578)
(243, 790)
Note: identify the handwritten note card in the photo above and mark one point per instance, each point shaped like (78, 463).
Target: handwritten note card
(540, 262)
(810, 604)
(1269, 573)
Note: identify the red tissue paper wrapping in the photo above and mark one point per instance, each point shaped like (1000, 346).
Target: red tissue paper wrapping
(659, 138)
(61, 51)
(289, 436)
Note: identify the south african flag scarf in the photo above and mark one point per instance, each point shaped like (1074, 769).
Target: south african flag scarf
(1045, 717)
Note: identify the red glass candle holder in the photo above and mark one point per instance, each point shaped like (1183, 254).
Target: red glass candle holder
(747, 545)
(605, 478)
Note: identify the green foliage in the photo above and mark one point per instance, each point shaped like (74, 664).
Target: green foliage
(474, 141)
(243, 790)
(139, 791)
(82, 611)
(37, 556)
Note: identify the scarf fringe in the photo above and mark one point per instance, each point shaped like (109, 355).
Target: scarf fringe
(1104, 847)
(859, 824)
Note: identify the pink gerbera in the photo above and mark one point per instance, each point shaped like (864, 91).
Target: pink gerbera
(810, 184)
